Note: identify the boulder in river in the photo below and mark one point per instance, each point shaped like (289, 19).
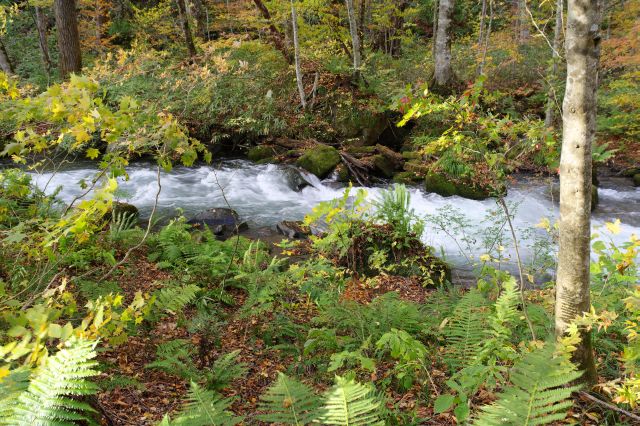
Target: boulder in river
(120, 208)
(293, 229)
(296, 179)
(223, 222)
(443, 186)
(636, 179)
(260, 152)
(320, 160)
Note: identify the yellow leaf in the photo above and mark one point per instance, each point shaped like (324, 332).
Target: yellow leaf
(613, 227)
(92, 153)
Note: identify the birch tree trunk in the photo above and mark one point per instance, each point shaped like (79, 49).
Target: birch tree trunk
(278, 38)
(443, 76)
(487, 37)
(296, 50)
(579, 124)
(41, 25)
(522, 21)
(69, 55)
(355, 38)
(5, 64)
(483, 15)
(436, 8)
(557, 42)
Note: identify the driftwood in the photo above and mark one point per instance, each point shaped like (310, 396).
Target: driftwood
(357, 168)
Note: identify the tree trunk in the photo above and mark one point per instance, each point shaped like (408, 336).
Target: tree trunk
(557, 42)
(69, 55)
(436, 8)
(296, 47)
(5, 64)
(443, 76)
(184, 21)
(41, 25)
(522, 21)
(278, 38)
(355, 38)
(483, 15)
(487, 37)
(200, 15)
(579, 125)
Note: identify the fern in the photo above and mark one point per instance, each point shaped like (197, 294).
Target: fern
(350, 403)
(203, 408)
(290, 402)
(11, 387)
(224, 370)
(174, 357)
(121, 221)
(52, 395)
(539, 393)
(466, 330)
(174, 299)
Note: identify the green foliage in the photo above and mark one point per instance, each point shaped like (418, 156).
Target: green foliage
(350, 403)
(289, 401)
(539, 393)
(465, 330)
(410, 353)
(173, 299)
(394, 209)
(51, 396)
(203, 408)
(224, 370)
(174, 357)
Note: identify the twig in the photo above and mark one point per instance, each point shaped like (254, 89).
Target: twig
(77, 197)
(609, 406)
(515, 244)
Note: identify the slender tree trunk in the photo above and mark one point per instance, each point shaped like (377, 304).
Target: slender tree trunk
(278, 38)
(443, 76)
(184, 21)
(355, 38)
(200, 15)
(557, 43)
(483, 15)
(579, 124)
(5, 63)
(69, 54)
(296, 49)
(436, 8)
(522, 21)
(361, 24)
(487, 37)
(41, 25)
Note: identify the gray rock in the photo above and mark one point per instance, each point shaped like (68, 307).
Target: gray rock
(296, 179)
(223, 222)
(293, 229)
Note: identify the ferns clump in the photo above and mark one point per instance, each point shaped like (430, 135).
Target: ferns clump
(347, 403)
(539, 393)
(466, 330)
(52, 393)
(203, 408)
(174, 298)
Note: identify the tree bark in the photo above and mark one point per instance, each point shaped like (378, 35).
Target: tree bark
(487, 37)
(483, 15)
(199, 14)
(5, 63)
(579, 125)
(69, 54)
(522, 22)
(296, 49)
(278, 38)
(41, 25)
(443, 76)
(355, 38)
(184, 21)
(549, 115)
(436, 8)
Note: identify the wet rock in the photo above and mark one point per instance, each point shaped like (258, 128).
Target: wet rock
(636, 179)
(119, 208)
(594, 197)
(293, 229)
(441, 185)
(406, 178)
(383, 165)
(295, 179)
(342, 173)
(223, 222)
(320, 160)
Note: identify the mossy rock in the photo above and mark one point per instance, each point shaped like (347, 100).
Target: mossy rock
(320, 160)
(472, 192)
(440, 185)
(361, 149)
(411, 155)
(636, 179)
(119, 207)
(343, 173)
(406, 177)
(594, 197)
(384, 165)
(631, 172)
(260, 152)
(268, 160)
(417, 167)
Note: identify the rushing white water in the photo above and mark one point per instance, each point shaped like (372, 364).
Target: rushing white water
(264, 195)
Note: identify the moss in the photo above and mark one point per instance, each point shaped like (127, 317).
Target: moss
(472, 192)
(320, 160)
(411, 155)
(260, 152)
(440, 185)
(594, 197)
(636, 179)
(267, 160)
(119, 207)
(384, 165)
(361, 149)
(417, 167)
(406, 177)
(343, 173)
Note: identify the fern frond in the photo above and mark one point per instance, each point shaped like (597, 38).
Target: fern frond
(290, 402)
(204, 408)
(466, 330)
(49, 398)
(538, 395)
(502, 321)
(350, 403)
(174, 299)
(224, 370)
(11, 387)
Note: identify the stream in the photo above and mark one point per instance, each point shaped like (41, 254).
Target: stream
(264, 195)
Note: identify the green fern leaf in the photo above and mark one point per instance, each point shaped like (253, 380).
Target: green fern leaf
(174, 299)
(350, 403)
(289, 402)
(204, 408)
(539, 393)
(49, 397)
(466, 330)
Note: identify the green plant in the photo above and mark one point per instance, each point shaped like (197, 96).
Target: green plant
(393, 208)
(203, 408)
(539, 393)
(51, 396)
(410, 353)
(465, 330)
(350, 403)
(289, 401)
(174, 357)
(173, 299)
(224, 370)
